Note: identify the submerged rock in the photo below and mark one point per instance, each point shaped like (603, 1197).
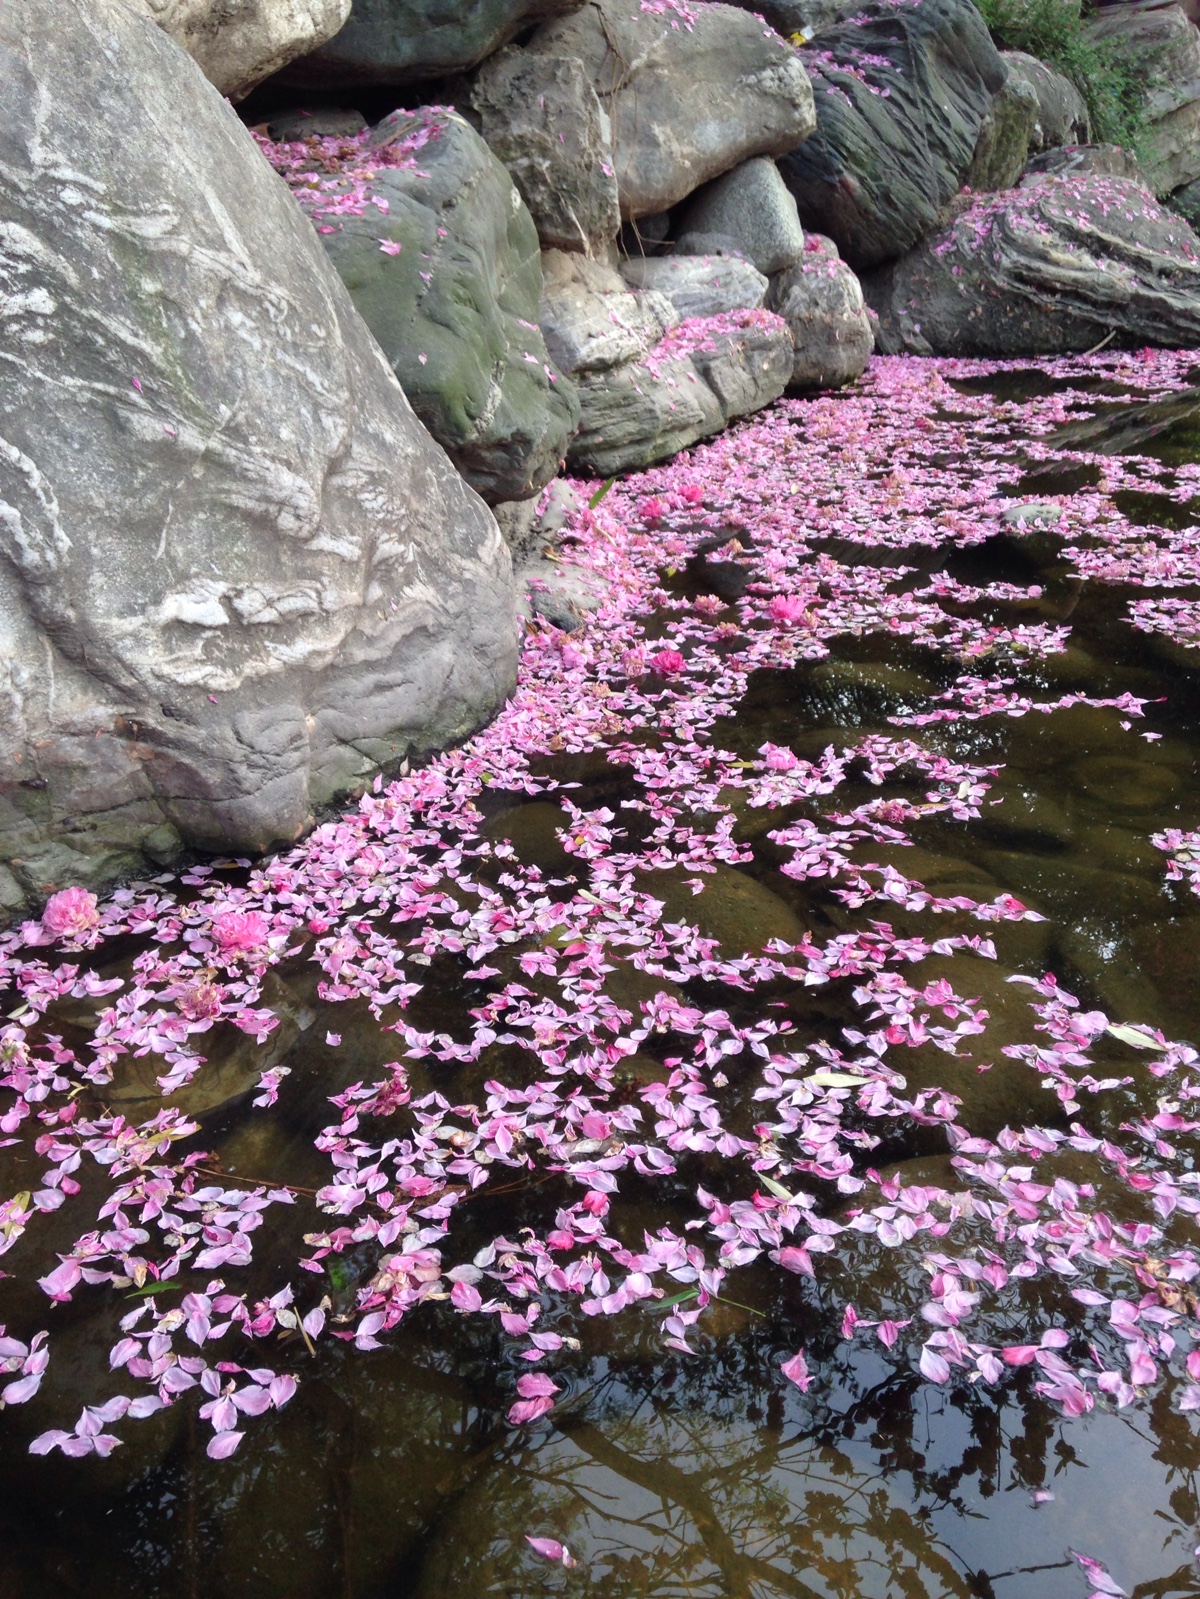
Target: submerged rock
(1056, 265)
(240, 575)
(686, 103)
(735, 909)
(902, 93)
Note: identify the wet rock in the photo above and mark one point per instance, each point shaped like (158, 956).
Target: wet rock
(1004, 136)
(1160, 44)
(453, 310)
(821, 301)
(699, 285)
(409, 41)
(668, 138)
(895, 141)
(750, 206)
(996, 1091)
(532, 831)
(1062, 112)
(736, 910)
(196, 634)
(238, 46)
(1032, 514)
(233, 1061)
(1129, 785)
(541, 117)
(1052, 266)
(1069, 889)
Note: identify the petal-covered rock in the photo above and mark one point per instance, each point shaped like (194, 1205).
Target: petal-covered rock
(410, 41)
(1055, 265)
(901, 94)
(441, 258)
(238, 46)
(649, 67)
(821, 301)
(541, 116)
(239, 574)
(753, 207)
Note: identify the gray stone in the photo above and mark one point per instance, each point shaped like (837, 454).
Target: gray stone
(321, 122)
(1062, 110)
(821, 301)
(455, 311)
(894, 143)
(1032, 514)
(1084, 160)
(590, 319)
(410, 41)
(1053, 266)
(1004, 138)
(686, 103)
(237, 46)
(541, 116)
(699, 285)
(753, 206)
(239, 575)
(1162, 46)
(649, 385)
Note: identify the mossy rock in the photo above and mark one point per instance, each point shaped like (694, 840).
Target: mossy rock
(740, 913)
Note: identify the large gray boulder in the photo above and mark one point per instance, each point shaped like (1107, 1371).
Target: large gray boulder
(1162, 46)
(410, 41)
(687, 101)
(699, 285)
(237, 46)
(543, 119)
(649, 384)
(894, 142)
(821, 301)
(239, 576)
(1056, 265)
(443, 265)
(1062, 111)
(752, 208)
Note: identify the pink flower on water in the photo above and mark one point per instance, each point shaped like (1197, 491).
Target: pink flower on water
(786, 609)
(777, 757)
(237, 932)
(667, 663)
(796, 1370)
(551, 1549)
(651, 509)
(69, 913)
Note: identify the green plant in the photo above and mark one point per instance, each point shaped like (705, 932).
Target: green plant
(1053, 31)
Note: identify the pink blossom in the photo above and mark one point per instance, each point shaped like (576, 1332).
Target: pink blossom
(70, 912)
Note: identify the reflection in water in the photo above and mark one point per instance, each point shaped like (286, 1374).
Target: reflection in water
(394, 1474)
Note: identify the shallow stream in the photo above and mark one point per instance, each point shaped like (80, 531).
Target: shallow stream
(663, 941)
